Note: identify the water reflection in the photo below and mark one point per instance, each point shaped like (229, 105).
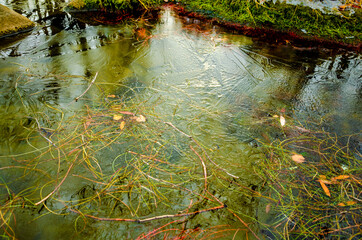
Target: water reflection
(221, 88)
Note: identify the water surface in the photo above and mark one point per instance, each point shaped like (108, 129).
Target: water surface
(219, 87)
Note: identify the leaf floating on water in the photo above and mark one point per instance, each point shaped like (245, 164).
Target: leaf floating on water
(325, 189)
(117, 117)
(298, 158)
(282, 121)
(267, 208)
(122, 125)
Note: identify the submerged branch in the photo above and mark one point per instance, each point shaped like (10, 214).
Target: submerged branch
(90, 85)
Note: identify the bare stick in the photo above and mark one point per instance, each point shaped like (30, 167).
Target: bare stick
(203, 166)
(90, 85)
(147, 219)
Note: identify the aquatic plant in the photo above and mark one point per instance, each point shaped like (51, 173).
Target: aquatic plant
(314, 179)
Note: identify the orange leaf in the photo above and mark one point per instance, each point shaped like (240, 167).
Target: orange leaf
(349, 203)
(298, 158)
(341, 204)
(112, 96)
(340, 177)
(325, 189)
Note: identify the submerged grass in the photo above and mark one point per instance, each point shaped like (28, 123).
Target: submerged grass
(317, 196)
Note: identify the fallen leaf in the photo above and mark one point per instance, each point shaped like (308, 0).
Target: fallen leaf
(325, 189)
(127, 113)
(340, 177)
(117, 117)
(122, 125)
(282, 121)
(349, 203)
(298, 158)
(322, 177)
(275, 116)
(112, 96)
(139, 119)
(341, 204)
(267, 208)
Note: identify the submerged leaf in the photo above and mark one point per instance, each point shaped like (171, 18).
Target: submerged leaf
(340, 177)
(122, 125)
(267, 208)
(282, 121)
(325, 189)
(139, 119)
(117, 117)
(127, 113)
(298, 158)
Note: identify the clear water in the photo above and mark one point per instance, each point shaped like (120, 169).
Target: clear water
(219, 87)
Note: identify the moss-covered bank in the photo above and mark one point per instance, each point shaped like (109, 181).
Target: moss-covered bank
(113, 5)
(12, 22)
(305, 23)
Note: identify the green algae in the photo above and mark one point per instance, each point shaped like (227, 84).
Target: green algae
(342, 26)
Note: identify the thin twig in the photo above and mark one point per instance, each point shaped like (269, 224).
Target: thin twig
(90, 85)
(207, 155)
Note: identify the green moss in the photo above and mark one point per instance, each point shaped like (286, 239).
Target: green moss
(282, 16)
(113, 5)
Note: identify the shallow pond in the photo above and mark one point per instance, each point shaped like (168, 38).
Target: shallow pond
(171, 124)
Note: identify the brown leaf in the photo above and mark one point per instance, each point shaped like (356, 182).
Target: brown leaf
(127, 113)
(122, 125)
(298, 158)
(267, 208)
(325, 189)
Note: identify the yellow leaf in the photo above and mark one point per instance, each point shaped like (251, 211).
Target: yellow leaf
(340, 177)
(341, 204)
(122, 125)
(298, 158)
(139, 119)
(282, 121)
(275, 116)
(117, 117)
(325, 189)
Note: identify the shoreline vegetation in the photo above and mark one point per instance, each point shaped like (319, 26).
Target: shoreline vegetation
(277, 23)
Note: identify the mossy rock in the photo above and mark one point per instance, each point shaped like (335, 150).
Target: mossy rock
(12, 22)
